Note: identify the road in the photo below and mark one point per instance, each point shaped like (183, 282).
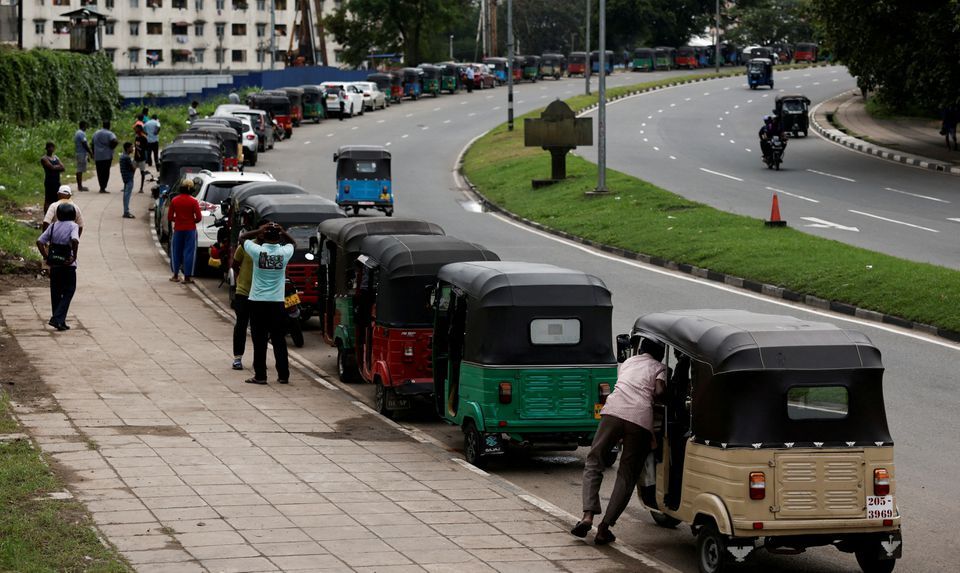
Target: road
(426, 138)
(700, 140)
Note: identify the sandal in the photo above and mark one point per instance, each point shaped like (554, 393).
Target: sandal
(581, 529)
(174, 279)
(187, 281)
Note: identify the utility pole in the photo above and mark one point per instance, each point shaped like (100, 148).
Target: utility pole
(586, 69)
(493, 27)
(509, 65)
(451, 47)
(602, 110)
(716, 56)
(273, 33)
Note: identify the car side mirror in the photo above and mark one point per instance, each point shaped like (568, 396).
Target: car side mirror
(623, 347)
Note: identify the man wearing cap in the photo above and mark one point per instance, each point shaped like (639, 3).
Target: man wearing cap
(64, 195)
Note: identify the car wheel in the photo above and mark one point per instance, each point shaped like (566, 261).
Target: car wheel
(380, 399)
(252, 158)
(472, 444)
(711, 550)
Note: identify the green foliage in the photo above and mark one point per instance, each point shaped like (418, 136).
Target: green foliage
(43, 85)
(769, 22)
(907, 51)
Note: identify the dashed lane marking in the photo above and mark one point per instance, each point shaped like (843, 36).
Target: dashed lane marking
(717, 173)
(917, 195)
(794, 195)
(832, 175)
(409, 115)
(673, 157)
(655, 148)
(446, 121)
(904, 223)
(748, 150)
(404, 136)
(306, 142)
(381, 120)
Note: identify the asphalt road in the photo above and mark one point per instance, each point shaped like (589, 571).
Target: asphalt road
(700, 140)
(426, 138)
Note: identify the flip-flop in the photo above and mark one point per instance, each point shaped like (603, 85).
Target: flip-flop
(601, 539)
(581, 529)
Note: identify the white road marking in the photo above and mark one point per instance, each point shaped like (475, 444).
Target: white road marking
(426, 127)
(446, 121)
(649, 117)
(954, 219)
(306, 142)
(806, 75)
(719, 126)
(917, 195)
(726, 88)
(520, 102)
(404, 136)
(659, 111)
(720, 174)
(388, 144)
(329, 135)
(748, 150)
(798, 86)
(644, 124)
(672, 157)
(822, 224)
(381, 120)
(354, 128)
(732, 141)
(673, 105)
(641, 132)
(645, 140)
(471, 114)
(834, 80)
(706, 93)
(543, 97)
(782, 192)
(496, 108)
(736, 106)
(686, 99)
(726, 113)
(436, 109)
(816, 83)
(409, 115)
(489, 97)
(786, 77)
(655, 148)
(463, 103)
(832, 175)
(749, 101)
(894, 221)
(765, 95)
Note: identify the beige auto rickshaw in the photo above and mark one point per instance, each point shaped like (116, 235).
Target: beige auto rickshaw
(772, 435)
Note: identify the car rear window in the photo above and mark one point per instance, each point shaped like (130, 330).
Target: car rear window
(217, 192)
(817, 403)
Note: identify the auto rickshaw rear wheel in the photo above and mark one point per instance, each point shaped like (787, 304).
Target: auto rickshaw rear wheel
(346, 369)
(380, 399)
(869, 560)
(711, 550)
(472, 444)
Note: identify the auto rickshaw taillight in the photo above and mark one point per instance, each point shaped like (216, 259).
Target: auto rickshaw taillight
(881, 482)
(346, 188)
(506, 392)
(603, 392)
(407, 353)
(758, 485)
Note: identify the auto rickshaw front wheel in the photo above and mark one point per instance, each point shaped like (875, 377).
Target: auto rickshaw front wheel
(712, 550)
(473, 444)
(869, 560)
(380, 399)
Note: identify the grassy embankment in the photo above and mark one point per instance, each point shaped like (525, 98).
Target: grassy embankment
(644, 218)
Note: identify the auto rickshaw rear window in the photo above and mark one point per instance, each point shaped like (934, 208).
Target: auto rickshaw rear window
(817, 403)
(555, 331)
(366, 166)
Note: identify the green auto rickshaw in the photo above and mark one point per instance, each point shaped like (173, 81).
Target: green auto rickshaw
(644, 60)
(531, 68)
(522, 355)
(313, 103)
(449, 77)
(431, 79)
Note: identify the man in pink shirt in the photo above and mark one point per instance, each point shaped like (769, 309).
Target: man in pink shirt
(628, 416)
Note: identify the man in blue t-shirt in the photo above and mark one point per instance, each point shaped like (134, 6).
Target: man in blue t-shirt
(265, 302)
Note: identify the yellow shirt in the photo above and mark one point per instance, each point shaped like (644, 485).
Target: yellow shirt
(245, 276)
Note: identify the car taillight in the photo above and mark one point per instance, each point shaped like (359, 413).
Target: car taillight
(250, 136)
(758, 485)
(603, 392)
(881, 482)
(506, 392)
(204, 206)
(346, 188)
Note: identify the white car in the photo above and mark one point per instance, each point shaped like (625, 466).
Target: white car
(229, 108)
(373, 98)
(353, 104)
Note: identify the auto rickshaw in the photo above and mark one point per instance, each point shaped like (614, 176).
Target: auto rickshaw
(277, 106)
(430, 79)
(177, 161)
(772, 435)
(296, 104)
(230, 208)
(663, 57)
(607, 63)
(384, 83)
(412, 82)
(805, 52)
(499, 68)
(336, 248)
(394, 318)
(228, 120)
(518, 62)
(522, 354)
(686, 57)
(299, 214)
(363, 178)
(643, 60)
(759, 73)
(577, 64)
(449, 78)
(531, 68)
(232, 147)
(313, 103)
(552, 66)
(792, 113)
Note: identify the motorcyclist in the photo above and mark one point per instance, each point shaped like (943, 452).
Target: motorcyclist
(771, 127)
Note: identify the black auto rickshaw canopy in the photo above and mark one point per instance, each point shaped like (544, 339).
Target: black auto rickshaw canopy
(294, 93)
(383, 81)
(231, 141)
(299, 214)
(755, 378)
(552, 59)
(531, 61)
(643, 53)
(430, 71)
(348, 157)
(411, 74)
(505, 298)
(347, 233)
(407, 267)
(311, 93)
(200, 138)
(791, 103)
(178, 160)
(577, 57)
(450, 70)
(760, 66)
(496, 63)
(270, 102)
(230, 121)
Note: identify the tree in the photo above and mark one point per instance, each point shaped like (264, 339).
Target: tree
(769, 22)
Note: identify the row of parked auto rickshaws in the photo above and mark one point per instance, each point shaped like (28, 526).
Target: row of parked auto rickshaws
(771, 432)
(291, 106)
(426, 79)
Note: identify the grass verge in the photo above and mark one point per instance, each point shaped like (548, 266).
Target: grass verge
(39, 534)
(644, 218)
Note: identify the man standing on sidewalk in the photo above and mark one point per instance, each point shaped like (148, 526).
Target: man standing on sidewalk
(265, 302)
(63, 273)
(184, 214)
(627, 416)
(152, 129)
(126, 175)
(83, 151)
(52, 168)
(64, 195)
(104, 142)
(243, 270)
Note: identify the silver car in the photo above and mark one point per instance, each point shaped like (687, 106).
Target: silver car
(373, 98)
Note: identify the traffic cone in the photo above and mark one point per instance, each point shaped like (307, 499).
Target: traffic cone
(775, 220)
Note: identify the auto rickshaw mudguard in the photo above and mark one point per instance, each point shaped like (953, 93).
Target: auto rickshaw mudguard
(343, 337)
(472, 411)
(709, 505)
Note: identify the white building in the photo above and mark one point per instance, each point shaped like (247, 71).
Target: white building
(178, 35)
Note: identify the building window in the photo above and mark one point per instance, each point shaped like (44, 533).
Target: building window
(61, 27)
(240, 5)
(178, 30)
(238, 30)
(154, 28)
(108, 4)
(238, 55)
(261, 5)
(220, 29)
(154, 4)
(134, 28)
(111, 53)
(134, 55)
(280, 29)
(261, 30)
(198, 55)
(337, 54)
(179, 4)
(134, 3)
(61, 2)
(220, 4)
(108, 28)
(38, 27)
(260, 57)
(280, 4)
(154, 57)
(180, 56)
(198, 4)
(198, 29)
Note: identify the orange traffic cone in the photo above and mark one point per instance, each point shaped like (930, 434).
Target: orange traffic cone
(775, 220)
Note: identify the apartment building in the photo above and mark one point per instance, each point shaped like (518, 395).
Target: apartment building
(178, 36)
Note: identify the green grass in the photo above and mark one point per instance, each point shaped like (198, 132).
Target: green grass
(43, 535)
(644, 218)
(877, 109)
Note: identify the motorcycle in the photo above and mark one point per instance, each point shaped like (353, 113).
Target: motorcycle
(291, 302)
(778, 145)
(279, 133)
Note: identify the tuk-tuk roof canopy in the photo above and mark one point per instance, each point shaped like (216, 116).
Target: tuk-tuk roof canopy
(349, 232)
(784, 97)
(269, 96)
(643, 51)
(296, 209)
(362, 152)
(506, 284)
(311, 89)
(187, 149)
(241, 193)
(293, 89)
(737, 340)
(765, 61)
(401, 256)
(379, 76)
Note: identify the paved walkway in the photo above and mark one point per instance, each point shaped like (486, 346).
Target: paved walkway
(186, 468)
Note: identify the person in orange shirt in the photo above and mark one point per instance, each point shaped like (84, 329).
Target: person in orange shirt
(184, 214)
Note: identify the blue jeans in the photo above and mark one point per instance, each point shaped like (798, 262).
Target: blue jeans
(127, 190)
(183, 251)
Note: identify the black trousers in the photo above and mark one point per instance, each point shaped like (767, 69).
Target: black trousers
(242, 310)
(103, 172)
(63, 285)
(268, 321)
(153, 151)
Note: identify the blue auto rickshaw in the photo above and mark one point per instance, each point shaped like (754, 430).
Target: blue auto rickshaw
(363, 178)
(759, 73)
(412, 82)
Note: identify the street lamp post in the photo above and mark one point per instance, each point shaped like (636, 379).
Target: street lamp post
(602, 109)
(510, 65)
(451, 47)
(716, 44)
(586, 69)
(273, 33)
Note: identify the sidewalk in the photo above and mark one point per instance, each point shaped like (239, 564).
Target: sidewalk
(907, 140)
(186, 468)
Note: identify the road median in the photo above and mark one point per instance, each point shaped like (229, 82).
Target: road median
(641, 221)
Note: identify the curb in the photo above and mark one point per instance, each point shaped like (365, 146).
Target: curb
(764, 289)
(868, 148)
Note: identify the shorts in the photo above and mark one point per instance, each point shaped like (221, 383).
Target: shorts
(81, 162)
(141, 165)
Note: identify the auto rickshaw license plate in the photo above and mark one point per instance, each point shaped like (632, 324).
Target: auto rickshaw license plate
(596, 410)
(879, 506)
(291, 300)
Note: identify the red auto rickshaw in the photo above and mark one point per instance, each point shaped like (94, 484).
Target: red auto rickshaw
(577, 64)
(296, 104)
(277, 105)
